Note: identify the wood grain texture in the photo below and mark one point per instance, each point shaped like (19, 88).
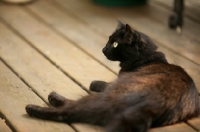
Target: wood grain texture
(63, 53)
(15, 95)
(181, 127)
(4, 127)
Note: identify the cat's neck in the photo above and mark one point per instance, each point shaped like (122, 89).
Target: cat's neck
(132, 64)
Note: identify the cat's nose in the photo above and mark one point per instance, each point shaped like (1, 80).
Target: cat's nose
(104, 49)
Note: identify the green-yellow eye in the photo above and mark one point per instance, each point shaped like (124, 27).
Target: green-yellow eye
(115, 44)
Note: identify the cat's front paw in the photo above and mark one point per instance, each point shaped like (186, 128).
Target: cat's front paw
(98, 86)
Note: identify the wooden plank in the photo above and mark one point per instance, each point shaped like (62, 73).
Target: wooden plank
(68, 57)
(3, 126)
(195, 123)
(15, 95)
(82, 34)
(38, 72)
(180, 127)
(179, 43)
(53, 19)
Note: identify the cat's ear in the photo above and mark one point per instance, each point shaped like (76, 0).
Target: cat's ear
(130, 35)
(120, 25)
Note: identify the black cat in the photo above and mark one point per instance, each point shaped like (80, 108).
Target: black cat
(149, 91)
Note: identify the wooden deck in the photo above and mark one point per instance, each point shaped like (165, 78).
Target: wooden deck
(55, 45)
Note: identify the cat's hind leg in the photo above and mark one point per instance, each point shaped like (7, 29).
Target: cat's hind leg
(57, 100)
(98, 86)
(86, 110)
(47, 113)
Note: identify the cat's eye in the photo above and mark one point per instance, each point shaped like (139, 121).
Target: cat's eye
(115, 44)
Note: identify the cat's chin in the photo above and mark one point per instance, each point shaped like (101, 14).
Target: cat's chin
(112, 59)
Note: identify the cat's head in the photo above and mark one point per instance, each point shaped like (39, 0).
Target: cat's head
(126, 43)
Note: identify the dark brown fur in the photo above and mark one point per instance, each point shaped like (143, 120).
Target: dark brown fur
(149, 91)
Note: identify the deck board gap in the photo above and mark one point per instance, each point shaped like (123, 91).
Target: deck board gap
(75, 129)
(4, 62)
(8, 124)
(191, 126)
(23, 80)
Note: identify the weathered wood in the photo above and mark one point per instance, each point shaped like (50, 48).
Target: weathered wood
(181, 127)
(38, 72)
(3, 126)
(53, 19)
(15, 95)
(185, 46)
(63, 53)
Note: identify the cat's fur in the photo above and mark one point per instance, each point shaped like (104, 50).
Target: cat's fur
(149, 91)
